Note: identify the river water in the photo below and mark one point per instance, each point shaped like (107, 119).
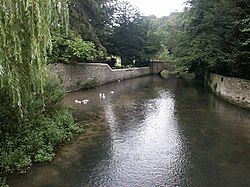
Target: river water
(150, 132)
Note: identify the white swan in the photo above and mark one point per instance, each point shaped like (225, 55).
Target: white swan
(78, 102)
(85, 101)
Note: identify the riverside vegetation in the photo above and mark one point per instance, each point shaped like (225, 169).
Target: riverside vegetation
(33, 137)
(33, 119)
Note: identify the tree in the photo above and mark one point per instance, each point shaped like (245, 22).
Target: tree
(32, 116)
(25, 34)
(70, 47)
(115, 25)
(214, 38)
(129, 33)
(90, 19)
(162, 36)
(81, 17)
(153, 41)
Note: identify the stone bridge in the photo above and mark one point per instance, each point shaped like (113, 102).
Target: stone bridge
(157, 66)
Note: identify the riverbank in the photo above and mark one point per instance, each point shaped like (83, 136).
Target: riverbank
(234, 90)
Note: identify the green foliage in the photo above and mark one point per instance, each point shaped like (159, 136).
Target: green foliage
(87, 18)
(215, 36)
(129, 66)
(128, 36)
(90, 84)
(163, 34)
(25, 37)
(33, 137)
(71, 47)
(32, 117)
(116, 25)
(3, 182)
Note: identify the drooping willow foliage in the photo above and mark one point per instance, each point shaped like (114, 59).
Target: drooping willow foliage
(25, 40)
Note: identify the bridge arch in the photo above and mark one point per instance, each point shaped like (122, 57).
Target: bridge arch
(156, 67)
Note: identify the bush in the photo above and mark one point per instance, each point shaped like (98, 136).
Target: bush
(91, 84)
(3, 182)
(71, 48)
(32, 138)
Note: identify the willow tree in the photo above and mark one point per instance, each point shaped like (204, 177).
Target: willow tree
(25, 35)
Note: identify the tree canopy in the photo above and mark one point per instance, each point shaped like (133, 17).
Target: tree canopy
(128, 33)
(215, 37)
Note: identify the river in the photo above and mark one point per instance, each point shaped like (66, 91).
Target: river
(150, 132)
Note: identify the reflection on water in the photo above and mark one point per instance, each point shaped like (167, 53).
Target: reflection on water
(145, 142)
(150, 132)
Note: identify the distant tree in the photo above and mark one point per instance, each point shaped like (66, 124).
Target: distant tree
(153, 41)
(129, 33)
(162, 36)
(215, 37)
(91, 19)
(116, 26)
(81, 15)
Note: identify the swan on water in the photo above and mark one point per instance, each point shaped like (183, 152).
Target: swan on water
(85, 101)
(78, 102)
(102, 95)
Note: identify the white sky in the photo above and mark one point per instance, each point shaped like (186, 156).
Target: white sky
(158, 8)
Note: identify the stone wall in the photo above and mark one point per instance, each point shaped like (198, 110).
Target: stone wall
(233, 90)
(76, 75)
(157, 67)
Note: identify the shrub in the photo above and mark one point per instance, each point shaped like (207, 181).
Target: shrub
(91, 84)
(3, 182)
(33, 137)
(71, 48)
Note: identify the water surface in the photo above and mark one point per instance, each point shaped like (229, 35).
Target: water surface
(150, 132)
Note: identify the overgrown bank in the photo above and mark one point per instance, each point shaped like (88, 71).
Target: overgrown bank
(32, 137)
(33, 119)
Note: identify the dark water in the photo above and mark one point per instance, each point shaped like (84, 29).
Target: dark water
(150, 132)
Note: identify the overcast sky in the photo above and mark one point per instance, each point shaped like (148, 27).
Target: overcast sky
(158, 7)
